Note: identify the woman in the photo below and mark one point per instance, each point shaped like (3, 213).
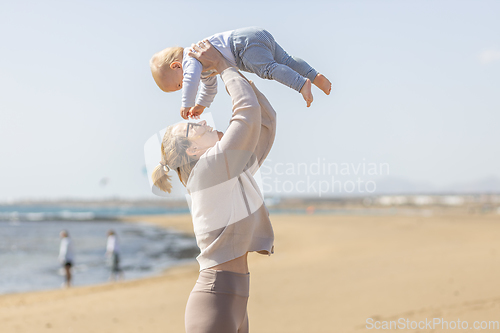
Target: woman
(230, 218)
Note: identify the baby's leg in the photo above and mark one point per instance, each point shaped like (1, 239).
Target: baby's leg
(297, 64)
(259, 59)
(303, 68)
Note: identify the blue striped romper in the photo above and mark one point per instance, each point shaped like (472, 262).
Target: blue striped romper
(256, 51)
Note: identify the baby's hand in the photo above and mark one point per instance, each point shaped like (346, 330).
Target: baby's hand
(184, 112)
(196, 111)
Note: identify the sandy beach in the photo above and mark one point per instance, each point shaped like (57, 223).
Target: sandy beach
(328, 274)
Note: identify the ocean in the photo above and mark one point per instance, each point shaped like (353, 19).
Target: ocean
(29, 242)
(29, 247)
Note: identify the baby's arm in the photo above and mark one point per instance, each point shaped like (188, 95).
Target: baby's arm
(195, 111)
(207, 94)
(192, 75)
(208, 91)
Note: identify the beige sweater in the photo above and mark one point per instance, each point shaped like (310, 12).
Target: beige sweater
(228, 210)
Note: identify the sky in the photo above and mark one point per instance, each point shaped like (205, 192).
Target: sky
(414, 98)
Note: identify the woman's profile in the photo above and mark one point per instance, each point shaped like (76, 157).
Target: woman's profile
(229, 216)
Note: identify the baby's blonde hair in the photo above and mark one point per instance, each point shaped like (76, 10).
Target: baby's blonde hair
(161, 61)
(173, 154)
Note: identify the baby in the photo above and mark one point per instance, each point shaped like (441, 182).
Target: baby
(252, 50)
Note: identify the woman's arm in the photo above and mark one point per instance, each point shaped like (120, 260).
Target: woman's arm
(241, 137)
(267, 132)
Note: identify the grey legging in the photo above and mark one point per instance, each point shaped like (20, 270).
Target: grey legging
(218, 303)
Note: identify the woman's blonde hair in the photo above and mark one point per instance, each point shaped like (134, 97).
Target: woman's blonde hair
(173, 154)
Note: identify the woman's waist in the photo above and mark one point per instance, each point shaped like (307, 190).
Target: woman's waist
(223, 281)
(238, 265)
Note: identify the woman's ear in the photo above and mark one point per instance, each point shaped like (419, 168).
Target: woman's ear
(175, 65)
(192, 151)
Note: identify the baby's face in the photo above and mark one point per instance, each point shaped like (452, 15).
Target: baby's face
(172, 80)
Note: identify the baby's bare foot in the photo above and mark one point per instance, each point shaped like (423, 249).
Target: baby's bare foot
(306, 92)
(323, 83)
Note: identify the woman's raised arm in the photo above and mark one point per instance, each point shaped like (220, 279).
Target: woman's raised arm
(241, 137)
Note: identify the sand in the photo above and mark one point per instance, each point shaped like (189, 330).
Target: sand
(328, 274)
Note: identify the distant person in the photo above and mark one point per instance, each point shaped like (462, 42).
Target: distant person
(113, 251)
(66, 256)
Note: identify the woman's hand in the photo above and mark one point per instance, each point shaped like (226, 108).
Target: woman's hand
(209, 56)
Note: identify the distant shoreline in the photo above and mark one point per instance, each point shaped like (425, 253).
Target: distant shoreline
(114, 208)
(174, 221)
